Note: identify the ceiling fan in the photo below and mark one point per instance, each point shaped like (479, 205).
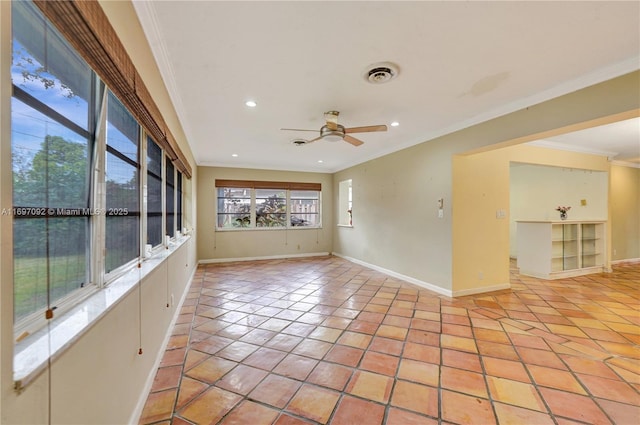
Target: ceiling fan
(333, 132)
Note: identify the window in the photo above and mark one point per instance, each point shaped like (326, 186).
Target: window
(122, 234)
(179, 224)
(154, 193)
(305, 208)
(345, 203)
(234, 207)
(77, 158)
(51, 127)
(169, 199)
(271, 207)
(248, 204)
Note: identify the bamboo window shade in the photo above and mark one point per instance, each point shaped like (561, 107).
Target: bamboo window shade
(256, 184)
(87, 28)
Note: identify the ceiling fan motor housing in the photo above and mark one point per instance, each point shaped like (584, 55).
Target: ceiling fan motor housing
(332, 135)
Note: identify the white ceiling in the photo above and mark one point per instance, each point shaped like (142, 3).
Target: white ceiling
(460, 63)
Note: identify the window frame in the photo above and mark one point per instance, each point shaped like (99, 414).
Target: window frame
(253, 187)
(95, 212)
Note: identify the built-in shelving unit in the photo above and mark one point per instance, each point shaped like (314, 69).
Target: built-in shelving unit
(557, 249)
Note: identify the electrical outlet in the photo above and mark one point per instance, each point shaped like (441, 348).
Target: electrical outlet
(440, 213)
(480, 275)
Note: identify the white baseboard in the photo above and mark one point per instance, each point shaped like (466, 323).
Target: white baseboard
(482, 290)
(266, 257)
(626, 260)
(438, 289)
(135, 416)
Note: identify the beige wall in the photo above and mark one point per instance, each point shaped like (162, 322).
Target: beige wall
(213, 245)
(624, 210)
(100, 378)
(395, 211)
(481, 238)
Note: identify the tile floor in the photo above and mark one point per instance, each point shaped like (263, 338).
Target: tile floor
(326, 341)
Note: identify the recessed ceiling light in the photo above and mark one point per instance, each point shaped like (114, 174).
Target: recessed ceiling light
(251, 103)
(320, 161)
(395, 124)
(235, 155)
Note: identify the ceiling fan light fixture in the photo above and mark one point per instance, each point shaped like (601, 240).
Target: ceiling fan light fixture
(332, 135)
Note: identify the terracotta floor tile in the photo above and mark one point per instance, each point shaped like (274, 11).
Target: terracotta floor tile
(426, 353)
(363, 326)
(330, 375)
(463, 381)
(353, 410)
(553, 378)
(314, 403)
(166, 377)
(285, 419)
(383, 364)
(342, 354)
(588, 366)
(386, 346)
(610, 389)
(211, 369)
(251, 413)
(508, 414)
(283, 342)
(404, 417)
(210, 407)
(312, 348)
(515, 393)
(420, 372)
(620, 413)
(476, 410)
(499, 337)
(371, 386)
(457, 330)
(258, 336)
(189, 389)
(265, 358)
(415, 397)
(275, 390)
(159, 406)
(294, 366)
(458, 343)
(237, 351)
(461, 360)
(502, 368)
(355, 339)
(242, 379)
(540, 358)
(173, 357)
(574, 406)
(299, 329)
(391, 347)
(326, 334)
(393, 332)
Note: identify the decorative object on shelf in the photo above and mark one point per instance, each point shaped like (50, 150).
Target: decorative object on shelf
(350, 217)
(563, 212)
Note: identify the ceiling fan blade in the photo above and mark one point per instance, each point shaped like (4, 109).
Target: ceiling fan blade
(296, 129)
(366, 129)
(331, 118)
(352, 140)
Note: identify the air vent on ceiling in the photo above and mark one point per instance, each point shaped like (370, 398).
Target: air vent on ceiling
(381, 72)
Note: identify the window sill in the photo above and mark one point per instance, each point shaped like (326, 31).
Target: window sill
(265, 229)
(346, 225)
(33, 353)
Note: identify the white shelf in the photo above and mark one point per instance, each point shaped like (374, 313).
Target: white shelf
(559, 249)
